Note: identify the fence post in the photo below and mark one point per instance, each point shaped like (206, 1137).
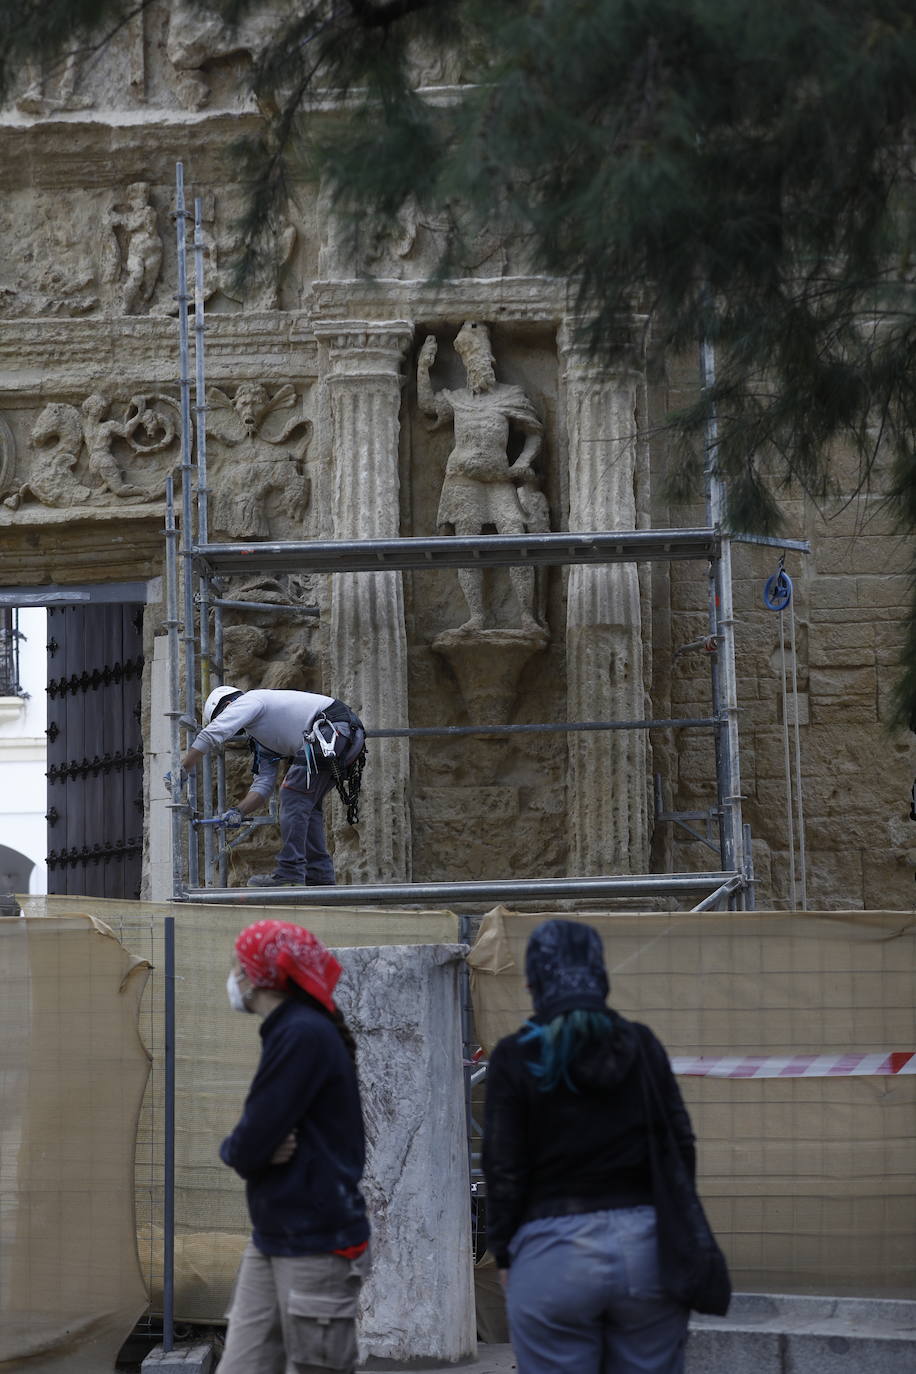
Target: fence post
(168, 1200)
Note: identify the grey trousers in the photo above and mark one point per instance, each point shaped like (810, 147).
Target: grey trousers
(303, 856)
(293, 1315)
(584, 1297)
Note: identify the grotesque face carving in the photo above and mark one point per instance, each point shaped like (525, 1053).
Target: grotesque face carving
(251, 403)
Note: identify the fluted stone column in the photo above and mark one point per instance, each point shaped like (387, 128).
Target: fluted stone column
(608, 784)
(368, 642)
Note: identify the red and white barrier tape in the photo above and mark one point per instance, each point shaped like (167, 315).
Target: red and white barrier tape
(797, 1065)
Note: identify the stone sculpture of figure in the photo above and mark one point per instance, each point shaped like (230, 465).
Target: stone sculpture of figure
(480, 490)
(141, 260)
(100, 434)
(261, 465)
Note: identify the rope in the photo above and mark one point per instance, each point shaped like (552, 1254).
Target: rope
(790, 821)
(802, 865)
(778, 596)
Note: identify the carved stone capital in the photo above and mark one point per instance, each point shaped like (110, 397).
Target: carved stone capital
(630, 340)
(359, 349)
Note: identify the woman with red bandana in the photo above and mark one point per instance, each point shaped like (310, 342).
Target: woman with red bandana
(299, 1146)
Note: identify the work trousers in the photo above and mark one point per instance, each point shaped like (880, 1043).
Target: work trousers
(293, 1314)
(303, 856)
(584, 1297)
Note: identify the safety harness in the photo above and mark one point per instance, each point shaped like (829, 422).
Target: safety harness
(323, 737)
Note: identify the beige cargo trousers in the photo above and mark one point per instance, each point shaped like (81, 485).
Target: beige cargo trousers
(293, 1314)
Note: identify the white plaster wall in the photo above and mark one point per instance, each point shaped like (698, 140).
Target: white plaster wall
(23, 748)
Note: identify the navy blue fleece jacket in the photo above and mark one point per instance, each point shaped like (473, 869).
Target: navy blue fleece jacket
(305, 1083)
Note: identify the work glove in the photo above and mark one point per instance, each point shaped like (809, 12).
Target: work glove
(232, 818)
(175, 786)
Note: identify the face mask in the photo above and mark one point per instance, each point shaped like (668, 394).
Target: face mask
(234, 993)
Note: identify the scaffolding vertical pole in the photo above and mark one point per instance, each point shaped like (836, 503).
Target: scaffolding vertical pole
(203, 588)
(176, 806)
(190, 654)
(221, 760)
(467, 1016)
(728, 769)
(168, 1184)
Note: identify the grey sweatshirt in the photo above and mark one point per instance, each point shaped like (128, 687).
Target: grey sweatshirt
(277, 720)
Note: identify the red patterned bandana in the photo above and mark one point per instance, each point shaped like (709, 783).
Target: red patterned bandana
(272, 952)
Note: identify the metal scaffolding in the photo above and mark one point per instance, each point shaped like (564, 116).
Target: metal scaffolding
(196, 570)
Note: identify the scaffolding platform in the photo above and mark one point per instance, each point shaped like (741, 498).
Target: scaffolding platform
(462, 551)
(711, 886)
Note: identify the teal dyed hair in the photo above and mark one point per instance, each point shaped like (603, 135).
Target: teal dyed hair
(560, 1042)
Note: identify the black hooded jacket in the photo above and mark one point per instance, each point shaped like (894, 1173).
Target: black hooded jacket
(566, 1151)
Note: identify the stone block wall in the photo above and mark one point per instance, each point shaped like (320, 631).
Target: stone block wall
(851, 604)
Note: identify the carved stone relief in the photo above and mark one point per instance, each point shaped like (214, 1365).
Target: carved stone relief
(95, 76)
(132, 249)
(49, 91)
(85, 253)
(260, 483)
(409, 248)
(88, 455)
(54, 261)
(222, 246)
(198, 40)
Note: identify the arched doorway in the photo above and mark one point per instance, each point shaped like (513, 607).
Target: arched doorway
(15, 870)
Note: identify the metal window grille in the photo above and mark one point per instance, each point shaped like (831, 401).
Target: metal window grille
(10, 685)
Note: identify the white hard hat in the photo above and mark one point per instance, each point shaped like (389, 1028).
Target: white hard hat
(216, 696)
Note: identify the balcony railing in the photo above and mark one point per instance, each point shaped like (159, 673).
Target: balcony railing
(10, 636)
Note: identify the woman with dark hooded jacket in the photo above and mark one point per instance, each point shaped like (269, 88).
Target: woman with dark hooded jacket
(570, 1214)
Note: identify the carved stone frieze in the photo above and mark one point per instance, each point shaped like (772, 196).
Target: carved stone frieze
(91, 454)
(84, 252)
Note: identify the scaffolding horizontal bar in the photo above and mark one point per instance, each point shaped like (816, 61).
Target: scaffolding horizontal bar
(460, 551)
(500, 890)
(222, 601)
(559, 728)
(773, 542)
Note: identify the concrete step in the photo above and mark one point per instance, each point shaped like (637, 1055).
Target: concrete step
(767, 1333)
(776, 1334)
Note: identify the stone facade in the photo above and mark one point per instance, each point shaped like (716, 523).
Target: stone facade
(318, 426)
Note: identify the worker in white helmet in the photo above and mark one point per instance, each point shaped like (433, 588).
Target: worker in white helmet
(325, 743)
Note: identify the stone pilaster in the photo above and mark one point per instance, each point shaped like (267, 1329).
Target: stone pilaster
(608, 771)
(368, 642)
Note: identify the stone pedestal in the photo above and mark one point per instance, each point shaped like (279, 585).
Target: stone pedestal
(488, 665)
(608, 771)
(368, 642)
